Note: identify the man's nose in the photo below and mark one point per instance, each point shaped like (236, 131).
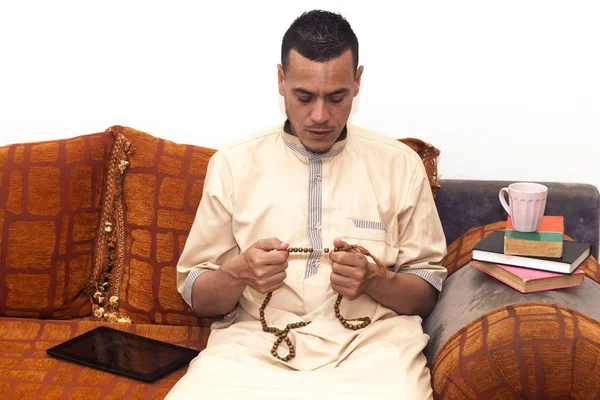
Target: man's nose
(320, 114)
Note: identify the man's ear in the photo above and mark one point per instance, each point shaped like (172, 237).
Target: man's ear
(357, 77)
(280, 78)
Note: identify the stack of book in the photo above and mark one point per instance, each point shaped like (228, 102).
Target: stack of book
(532, 261)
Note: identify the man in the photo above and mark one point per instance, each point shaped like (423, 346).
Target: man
(316, 183)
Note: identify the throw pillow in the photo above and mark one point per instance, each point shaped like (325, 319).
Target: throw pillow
(50, 199)
(153, 189)
(429, 154)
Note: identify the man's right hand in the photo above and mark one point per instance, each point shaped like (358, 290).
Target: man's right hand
(262, 266)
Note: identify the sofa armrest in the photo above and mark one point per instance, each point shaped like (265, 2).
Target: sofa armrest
(464, 204)
(487, 339)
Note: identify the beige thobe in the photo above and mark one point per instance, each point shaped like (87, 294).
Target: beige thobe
(369, 190)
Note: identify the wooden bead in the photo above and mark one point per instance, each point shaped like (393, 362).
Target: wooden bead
(326, 250)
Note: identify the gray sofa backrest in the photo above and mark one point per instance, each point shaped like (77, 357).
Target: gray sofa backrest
(463, 204)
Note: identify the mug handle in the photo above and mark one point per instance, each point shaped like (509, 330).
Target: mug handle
(503, 199)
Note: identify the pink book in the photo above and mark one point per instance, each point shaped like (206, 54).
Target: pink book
(527, 280)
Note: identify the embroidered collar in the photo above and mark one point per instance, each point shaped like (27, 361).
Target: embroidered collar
(294, 143)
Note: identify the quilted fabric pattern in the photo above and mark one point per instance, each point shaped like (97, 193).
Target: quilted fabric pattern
(26, 372)
(161, 184)
(50, 197)
(525, 351)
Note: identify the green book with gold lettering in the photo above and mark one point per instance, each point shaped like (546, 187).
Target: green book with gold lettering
(547, 241)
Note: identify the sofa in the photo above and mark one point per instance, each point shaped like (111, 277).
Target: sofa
(91, 228)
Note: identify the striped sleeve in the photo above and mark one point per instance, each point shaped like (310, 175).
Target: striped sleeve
(189, 282)
(433, 279)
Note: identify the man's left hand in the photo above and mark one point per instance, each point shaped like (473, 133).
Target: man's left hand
(352, 274)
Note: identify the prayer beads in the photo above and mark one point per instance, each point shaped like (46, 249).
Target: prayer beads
(282, 334)
(305, 250)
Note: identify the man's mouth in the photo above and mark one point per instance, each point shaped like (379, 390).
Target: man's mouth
(317, 132)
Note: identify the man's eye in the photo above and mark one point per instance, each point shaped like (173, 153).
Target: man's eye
(336, 99)
(304, 99)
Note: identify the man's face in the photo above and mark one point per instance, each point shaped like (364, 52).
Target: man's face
(318, 97)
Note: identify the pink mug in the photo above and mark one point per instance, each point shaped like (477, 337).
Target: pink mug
(526, 204)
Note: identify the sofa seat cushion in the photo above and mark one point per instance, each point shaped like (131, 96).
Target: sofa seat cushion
(27, 372)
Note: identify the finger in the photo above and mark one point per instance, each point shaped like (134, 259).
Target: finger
(350, 293)
(342, 281)
(274, 282)
(271, 244)
(338, 242)
(270, 278)
(356, 260)
(275, 258)
(265, 271)
(343, 270)
(274, 287)
(277, 268)
(261, 257)
(277, 278)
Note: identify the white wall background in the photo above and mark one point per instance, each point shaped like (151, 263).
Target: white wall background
(507, 90)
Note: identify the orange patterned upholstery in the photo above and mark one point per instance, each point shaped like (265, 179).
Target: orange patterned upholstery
(26, 372)
(155, 192)
(532, 351)
(50, 198)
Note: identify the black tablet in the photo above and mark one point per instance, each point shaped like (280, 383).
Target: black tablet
(124, 353)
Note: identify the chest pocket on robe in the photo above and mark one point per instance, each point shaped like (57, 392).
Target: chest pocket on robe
(372, 235)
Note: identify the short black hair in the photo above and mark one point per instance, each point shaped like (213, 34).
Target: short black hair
(319, 36)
